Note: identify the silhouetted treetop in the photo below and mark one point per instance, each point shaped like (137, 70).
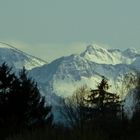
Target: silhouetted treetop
(21, 103)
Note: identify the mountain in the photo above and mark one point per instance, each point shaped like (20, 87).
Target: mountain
(17, 59)
(61, 77)
(100, 55)
(64, 75)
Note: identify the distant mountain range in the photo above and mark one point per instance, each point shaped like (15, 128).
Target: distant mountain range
(62, 76)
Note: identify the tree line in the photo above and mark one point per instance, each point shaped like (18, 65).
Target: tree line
(88, 113)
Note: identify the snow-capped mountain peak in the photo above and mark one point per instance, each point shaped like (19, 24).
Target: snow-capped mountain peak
(91, 49)
(97, 54)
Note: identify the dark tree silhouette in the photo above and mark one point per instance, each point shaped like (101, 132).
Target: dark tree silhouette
(21, 104)
(104, 108)
(7, 79)
(103, 103)
(135, 120)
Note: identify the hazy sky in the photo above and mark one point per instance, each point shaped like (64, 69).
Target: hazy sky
(50, 28)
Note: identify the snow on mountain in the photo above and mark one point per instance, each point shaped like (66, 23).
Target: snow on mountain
(62, 76)
(136, 64)
(109, 56)
(17, 59)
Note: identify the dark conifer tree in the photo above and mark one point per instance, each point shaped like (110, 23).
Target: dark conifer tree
(7, 79)
(38, 112)
(104, 106)
(21, 104)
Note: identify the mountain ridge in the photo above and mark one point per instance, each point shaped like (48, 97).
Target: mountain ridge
(17, 58)
(101, 55)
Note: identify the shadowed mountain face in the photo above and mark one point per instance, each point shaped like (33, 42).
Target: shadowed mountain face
(17, 59)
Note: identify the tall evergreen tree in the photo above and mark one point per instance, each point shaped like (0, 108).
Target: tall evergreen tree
(21, 104)
(37, 111)
(7, 79)
(103, 104)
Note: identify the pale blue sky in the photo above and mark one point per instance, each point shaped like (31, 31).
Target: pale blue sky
(64, 26)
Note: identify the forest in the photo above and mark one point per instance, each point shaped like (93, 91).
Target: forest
(90, 114)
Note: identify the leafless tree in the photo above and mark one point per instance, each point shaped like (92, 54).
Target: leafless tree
(74, 107)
